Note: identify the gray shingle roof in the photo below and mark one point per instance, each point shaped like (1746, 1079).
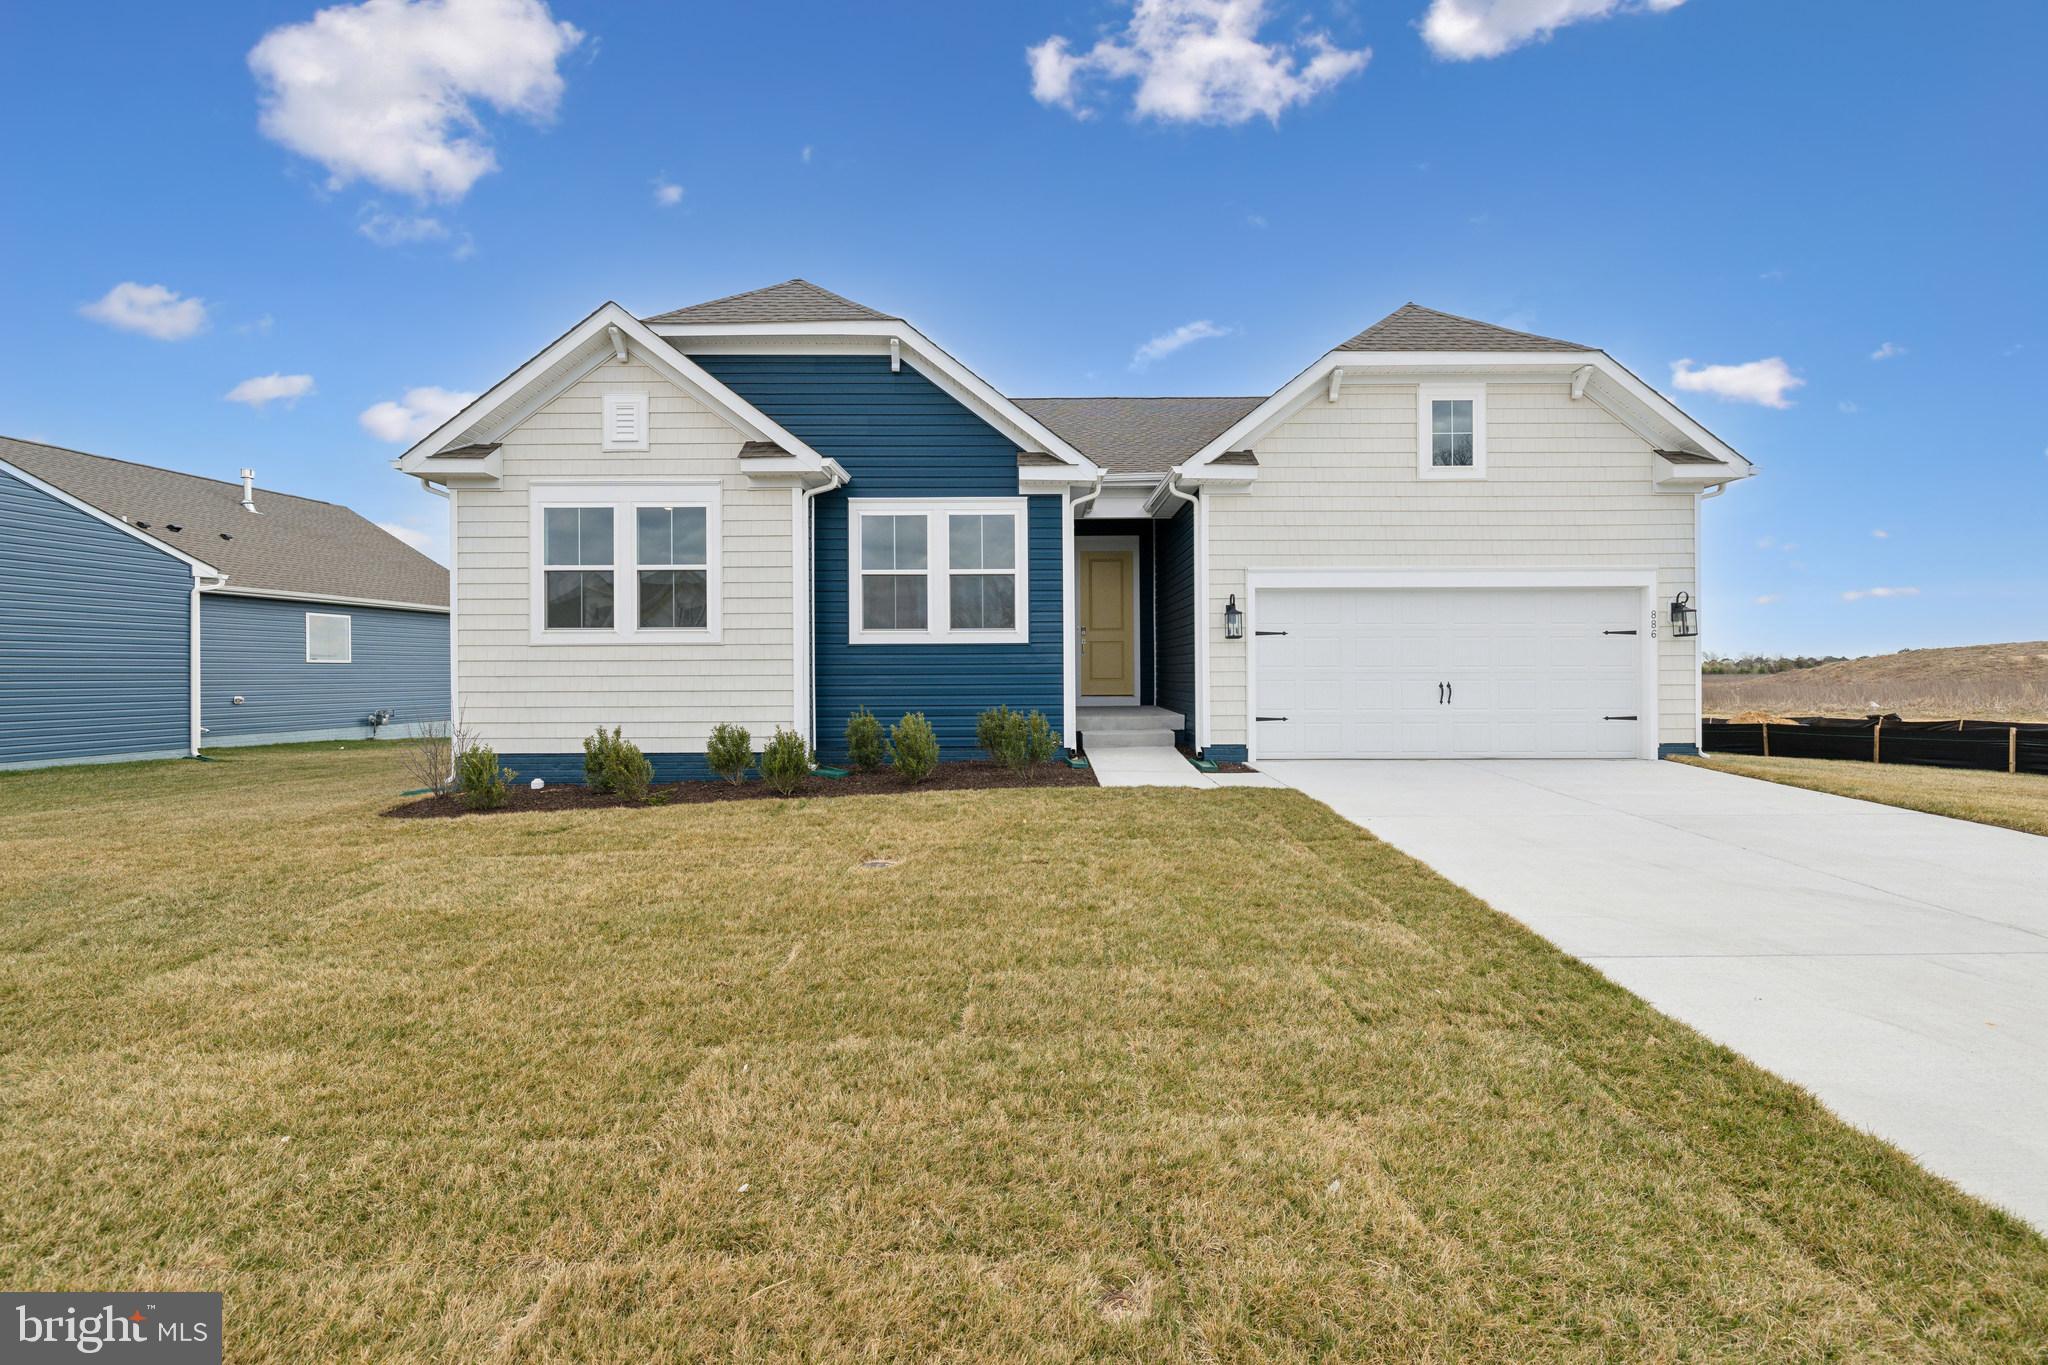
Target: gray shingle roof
(790, 301)
(1138, 435)
(292, 544)
(1411, 327)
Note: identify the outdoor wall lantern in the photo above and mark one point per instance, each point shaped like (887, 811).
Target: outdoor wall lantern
(1233, 620)
(1684, 619)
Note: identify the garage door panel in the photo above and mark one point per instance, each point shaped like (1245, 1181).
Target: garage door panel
(1531, 673)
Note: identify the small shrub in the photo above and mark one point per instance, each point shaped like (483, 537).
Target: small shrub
(913, 747)
(1018, 741)
(864, 740)
(483, 782)
(786, 761)
(612, 763)
(429, 757)
(730, 752)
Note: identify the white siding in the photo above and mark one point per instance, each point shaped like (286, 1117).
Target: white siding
(1567, 487)
(523, 697)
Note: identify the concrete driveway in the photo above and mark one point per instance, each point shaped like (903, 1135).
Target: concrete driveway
(1893, 963)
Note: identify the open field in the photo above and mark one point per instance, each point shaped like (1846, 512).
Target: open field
(1128, 1074)
(2014, 800)
(1972, 682)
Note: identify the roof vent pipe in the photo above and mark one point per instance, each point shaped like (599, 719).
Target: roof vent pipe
(248, 490)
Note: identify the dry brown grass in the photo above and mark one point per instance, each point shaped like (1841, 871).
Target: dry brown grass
(1083, 1074)
(1974, 682)
(2013, 800)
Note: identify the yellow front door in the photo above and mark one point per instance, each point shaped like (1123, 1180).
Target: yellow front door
(1108, 668)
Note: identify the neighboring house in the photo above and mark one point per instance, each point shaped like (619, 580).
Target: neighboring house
(145, 613)
(1443, 538)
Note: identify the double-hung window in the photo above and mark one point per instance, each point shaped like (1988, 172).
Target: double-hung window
(938, 571)
(1451, 421)
(625, 563)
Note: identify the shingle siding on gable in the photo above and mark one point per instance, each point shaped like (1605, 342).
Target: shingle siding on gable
(255, 648)
(901, 436)
(94, 636)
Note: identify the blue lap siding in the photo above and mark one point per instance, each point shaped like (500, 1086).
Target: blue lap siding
(255, 648)
(1177, 618)
(95, 631)
(901, 436)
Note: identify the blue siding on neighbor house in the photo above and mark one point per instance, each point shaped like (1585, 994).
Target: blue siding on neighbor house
(1142, 528)
(255, 648)
(901, 436)
(567, 769)
(95, 630)
(1177, 618)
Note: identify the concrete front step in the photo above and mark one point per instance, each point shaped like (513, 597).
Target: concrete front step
(1126, 739)
(1096, 720)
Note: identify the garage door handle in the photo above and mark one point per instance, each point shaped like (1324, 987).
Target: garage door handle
(1617, 632)
(1617, 717)
(1269, 718)
(1269, 632)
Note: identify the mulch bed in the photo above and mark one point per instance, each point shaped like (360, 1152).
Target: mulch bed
(975, 776)
(1221, 767)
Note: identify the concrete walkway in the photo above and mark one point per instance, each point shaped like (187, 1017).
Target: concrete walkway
(1152, 767)
(1893, 963)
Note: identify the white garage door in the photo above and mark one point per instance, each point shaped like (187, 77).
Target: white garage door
(1448, 673)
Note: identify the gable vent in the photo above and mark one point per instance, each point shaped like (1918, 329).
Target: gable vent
(625, 421)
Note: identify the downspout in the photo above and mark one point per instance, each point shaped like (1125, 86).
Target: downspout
(836, 478)
(1199, 626)
(1070, 613)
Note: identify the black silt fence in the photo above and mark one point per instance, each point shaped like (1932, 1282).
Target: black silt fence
(1983, 745)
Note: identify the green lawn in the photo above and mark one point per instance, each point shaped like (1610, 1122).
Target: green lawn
(2014, 800)
(1134, 1074)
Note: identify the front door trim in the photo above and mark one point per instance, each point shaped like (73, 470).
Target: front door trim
(1127, 545)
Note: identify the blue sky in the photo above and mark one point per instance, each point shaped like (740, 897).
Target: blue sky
(1852, 190)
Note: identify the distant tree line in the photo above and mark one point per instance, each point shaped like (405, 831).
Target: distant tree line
(1761, 663)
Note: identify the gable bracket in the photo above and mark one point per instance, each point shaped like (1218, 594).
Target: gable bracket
(1336, 384)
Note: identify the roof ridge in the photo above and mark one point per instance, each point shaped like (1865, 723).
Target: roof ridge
(794, 284)
(1142, 397)
(231, 485)
(1417, 314)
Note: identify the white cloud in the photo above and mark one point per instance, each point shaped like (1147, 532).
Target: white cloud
(1882, 535)
(1887, 351)
(1858, 594)
(1845, 406)
(266, 389)
(1767, 599)
(1758, 381)
(150, 309)
(1195, 61)
(413, 416)
(1166, 343)
(807, 154)
(398, 229)
(260, 327)
(386, 90)
(1464, 30)
(666, 195)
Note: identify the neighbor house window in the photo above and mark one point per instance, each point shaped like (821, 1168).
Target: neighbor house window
(581, 587)
(1452, 423)
(675, 573)
(932, 571)
(328, 638)
(625, 563)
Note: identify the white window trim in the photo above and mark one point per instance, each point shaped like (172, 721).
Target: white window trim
(938, 557)
(1426, 394)
(623, 498)
(349, 655)
(615, 401)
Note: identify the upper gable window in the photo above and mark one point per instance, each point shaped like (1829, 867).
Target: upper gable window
(625, 421)
(1450, 420)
